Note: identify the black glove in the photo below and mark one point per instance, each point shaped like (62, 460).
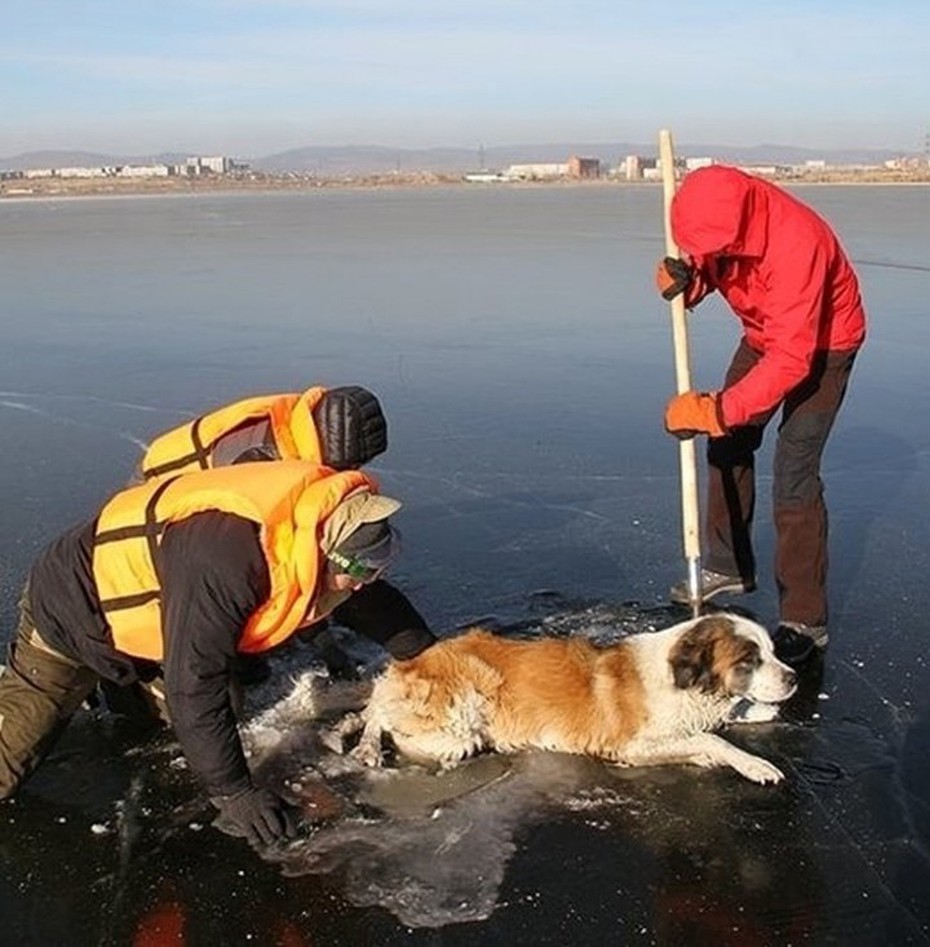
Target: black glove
(673, 276)
(257, 815)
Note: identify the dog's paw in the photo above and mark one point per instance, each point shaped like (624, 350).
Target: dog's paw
(760, 770)
(334, 737)
(368, 754)
(334, 740)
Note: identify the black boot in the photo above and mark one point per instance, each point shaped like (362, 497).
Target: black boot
(795, 643)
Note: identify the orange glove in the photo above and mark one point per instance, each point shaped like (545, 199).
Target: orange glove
(673, 276)
(695, 412)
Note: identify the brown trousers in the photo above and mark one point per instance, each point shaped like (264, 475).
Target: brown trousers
(800, 514)
(40, 691)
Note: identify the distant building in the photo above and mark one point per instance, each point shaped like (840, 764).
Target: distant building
(84, 172)
(692, 164)
(217, 164)
(484, 177)
(766, 170)
(584, 167)
(144, 171)
(536, 172)
(575, 167)
(214, 164)
(651, 168)
(639, 168)
(191, 167)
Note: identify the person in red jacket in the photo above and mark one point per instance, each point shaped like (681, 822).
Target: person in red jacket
(781, 269)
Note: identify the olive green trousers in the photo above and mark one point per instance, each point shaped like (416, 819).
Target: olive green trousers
(40, 690)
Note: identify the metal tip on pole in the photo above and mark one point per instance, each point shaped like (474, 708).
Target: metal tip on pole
(695, 586)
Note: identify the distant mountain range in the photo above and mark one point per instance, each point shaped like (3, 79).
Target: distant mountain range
(373, 159)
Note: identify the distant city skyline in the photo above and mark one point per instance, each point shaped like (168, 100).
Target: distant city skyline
(258, 77)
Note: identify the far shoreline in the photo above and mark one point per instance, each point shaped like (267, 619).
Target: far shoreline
(24, 190)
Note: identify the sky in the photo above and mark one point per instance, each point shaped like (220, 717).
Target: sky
(251, 78)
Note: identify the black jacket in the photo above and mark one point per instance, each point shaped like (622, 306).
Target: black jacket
(213, 576)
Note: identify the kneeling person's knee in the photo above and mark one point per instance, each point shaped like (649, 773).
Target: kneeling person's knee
(40, 691)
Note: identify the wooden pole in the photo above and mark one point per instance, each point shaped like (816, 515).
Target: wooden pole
(691, 527)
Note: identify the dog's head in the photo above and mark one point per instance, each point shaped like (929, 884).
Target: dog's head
(730, 656)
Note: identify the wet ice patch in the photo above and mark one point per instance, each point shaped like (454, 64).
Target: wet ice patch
(428, 871)
(433, 849)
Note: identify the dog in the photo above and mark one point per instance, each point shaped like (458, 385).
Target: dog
(652, 698)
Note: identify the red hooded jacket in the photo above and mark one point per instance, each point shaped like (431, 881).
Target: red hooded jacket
(781, 269)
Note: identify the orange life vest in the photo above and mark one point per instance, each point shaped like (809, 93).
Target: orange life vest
(190, 446)
(289, 499)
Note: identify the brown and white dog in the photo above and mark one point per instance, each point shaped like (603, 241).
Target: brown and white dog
(649, 699)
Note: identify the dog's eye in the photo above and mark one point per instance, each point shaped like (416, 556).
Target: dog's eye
(747, 667)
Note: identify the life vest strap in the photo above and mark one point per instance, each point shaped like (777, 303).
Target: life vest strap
(151, 529)
(200, 454)
(128, 532)
(129, 601)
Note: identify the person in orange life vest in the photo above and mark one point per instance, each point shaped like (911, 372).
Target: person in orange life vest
(184, 573)
(343, 428)
(781, 269)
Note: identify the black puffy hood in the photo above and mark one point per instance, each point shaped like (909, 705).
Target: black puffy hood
(351, 426)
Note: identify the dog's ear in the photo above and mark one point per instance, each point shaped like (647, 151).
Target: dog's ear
(692, 659)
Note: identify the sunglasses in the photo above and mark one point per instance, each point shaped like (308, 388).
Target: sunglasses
(355, 567)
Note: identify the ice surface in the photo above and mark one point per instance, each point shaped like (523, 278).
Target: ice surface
(523, 372)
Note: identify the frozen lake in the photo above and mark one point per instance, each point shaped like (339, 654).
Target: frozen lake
(523, 359)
